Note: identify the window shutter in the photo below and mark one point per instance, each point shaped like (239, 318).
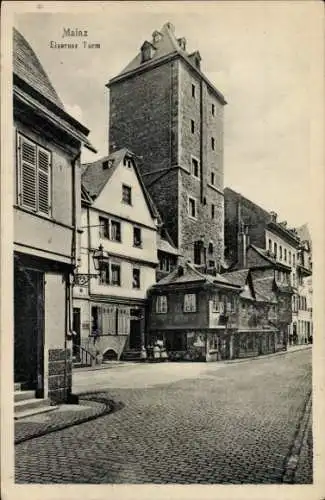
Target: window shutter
(28, 173)
(43, 181)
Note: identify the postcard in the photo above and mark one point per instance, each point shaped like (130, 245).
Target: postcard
(162, 250)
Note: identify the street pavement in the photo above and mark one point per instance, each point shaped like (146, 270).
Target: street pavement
(184, 423)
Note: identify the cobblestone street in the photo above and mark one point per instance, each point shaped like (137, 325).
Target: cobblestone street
(232, 423)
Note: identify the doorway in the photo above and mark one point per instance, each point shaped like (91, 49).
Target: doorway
(135, 329)
(76, 330)
(29, 328)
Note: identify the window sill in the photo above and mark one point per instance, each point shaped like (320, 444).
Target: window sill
(138, 246)
(192, 218)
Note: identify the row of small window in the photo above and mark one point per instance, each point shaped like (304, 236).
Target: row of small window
(304, 327)
(220, 303)
(192, 208)
(299, 303)
(189, 304)
(282, 254)
(111, 229)
(213, 107)
(110, 274)
(196, 171)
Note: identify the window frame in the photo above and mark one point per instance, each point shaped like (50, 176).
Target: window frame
(213, 109)
(190, 199)
(193, 90)
(117, 267)
(127, 201)
(212, 179)
(20, 138)
(109, 271)
(192, 126)
(213, 143)
(139, 278)
(190, 307)
(195, 162)
(140, 241)
(161, 306)
(106, 230)
(213, 211)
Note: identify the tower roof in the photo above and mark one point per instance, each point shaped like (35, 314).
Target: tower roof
(163, 45)
(27, 66)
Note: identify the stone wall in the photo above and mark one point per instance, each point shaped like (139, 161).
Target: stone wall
(59, 374)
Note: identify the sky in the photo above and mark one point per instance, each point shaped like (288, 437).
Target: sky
(260, 55)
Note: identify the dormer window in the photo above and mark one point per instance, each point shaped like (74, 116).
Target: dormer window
(182, 43)
(127, 162)
(147, 52)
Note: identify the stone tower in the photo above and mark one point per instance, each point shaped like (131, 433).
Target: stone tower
(165, 109)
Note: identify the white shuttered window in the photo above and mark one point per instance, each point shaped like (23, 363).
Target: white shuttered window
(34, 176)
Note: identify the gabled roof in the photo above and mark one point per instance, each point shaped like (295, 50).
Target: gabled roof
(237, 277)
(268, 257)
(265, 289)
(165, 245)
(166, 45)
(188, 274)
(27, 66)
(33, 89)
(94, 177)
(242, 278)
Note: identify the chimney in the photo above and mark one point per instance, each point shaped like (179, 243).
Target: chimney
(242, 244)
(274, 216)
(170, 27)
(182, 43)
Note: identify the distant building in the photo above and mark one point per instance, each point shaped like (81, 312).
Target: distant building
(257, 318)
(303, 299)
(117, 213)
(164, 108)
(46, 166)
(255, 239)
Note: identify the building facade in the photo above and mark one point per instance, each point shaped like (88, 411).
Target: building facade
(203, 317)
(193, 314)
(47, 146)
(248, 224)
(303, 300)
(164, 109)
(257, 316)
(118, 214)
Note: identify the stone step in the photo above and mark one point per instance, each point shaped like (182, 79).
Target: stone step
(28, 404)
(21, 395)
(131, 356)
(33, 411)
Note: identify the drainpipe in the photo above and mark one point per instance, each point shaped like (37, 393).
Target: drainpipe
(69, 286)
(201, 141)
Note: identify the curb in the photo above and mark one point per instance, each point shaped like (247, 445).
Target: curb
(103, 367)
(110, 406)
(265, 356)
(292, 460)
